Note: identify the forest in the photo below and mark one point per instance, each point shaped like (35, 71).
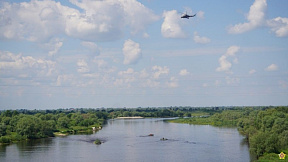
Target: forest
(265, 128)
(17, 125)
(20, 125)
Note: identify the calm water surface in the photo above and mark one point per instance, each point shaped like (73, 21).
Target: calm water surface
(127, 140)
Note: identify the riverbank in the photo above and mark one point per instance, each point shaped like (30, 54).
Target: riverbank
(122, 136)
(131, 117)
(265, 129)
(15, 126)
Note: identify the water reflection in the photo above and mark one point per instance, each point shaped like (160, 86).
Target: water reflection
(3, 150)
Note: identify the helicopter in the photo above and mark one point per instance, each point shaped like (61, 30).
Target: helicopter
(187, 16)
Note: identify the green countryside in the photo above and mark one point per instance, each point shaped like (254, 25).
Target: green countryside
(265, 128)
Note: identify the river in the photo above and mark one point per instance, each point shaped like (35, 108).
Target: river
(127, 140)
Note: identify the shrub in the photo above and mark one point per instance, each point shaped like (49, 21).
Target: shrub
(5, 139)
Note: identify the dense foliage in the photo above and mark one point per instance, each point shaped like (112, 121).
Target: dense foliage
(266, 129)
(31, 124)
(15, 126)
(162, 112)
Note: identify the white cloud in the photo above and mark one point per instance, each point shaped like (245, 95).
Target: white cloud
(155, 77)
(94, 49)
(131, 51)
(24, 66)
(272, 67)
(143, 74)
(183, 72)
(255, 17)
(252, 71)
(33, 21)
(172, 83)
(82, 66)
(126, 78)
(52, 46)
(11, 61)
(202, 40)
(151, 83)
(100, 63)
(231, 51)
(146, 35)
(172, 27)
(64, 79)
(137, 15)
(96, 21)
(232, 81)
(225, 64)
(279, 26)
(128, 71)
(100, 21)
(57, 46)
(105, 20)
(158, 70)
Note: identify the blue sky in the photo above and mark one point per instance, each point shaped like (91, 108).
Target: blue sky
(128, 53)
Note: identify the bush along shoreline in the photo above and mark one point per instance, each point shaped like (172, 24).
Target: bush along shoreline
(15, 126)
(266, 130)
(18, 125)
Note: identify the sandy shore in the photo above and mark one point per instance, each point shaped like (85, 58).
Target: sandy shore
(132, 117)
(60, 134)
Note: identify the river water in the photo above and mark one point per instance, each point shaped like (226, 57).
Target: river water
(128, 140)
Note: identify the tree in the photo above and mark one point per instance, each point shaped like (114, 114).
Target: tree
(28, 126)
(46, 128)
(15, 113)
(6, 120)
(283, 140)
(271, 143)
(63, 122)
(2, 129)
(13, 122)
(7, 113)
(258, 144)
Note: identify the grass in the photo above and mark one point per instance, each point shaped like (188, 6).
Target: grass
(193, 120)
(270, 157)
(199, 113)
(59, 134)
(75, 130)
(205, 121)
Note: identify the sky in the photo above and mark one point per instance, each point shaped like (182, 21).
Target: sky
(129, 53)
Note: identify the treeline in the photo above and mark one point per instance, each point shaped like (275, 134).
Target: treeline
(164, 112)
(32, 124)
(16, 126)
(266, 129)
